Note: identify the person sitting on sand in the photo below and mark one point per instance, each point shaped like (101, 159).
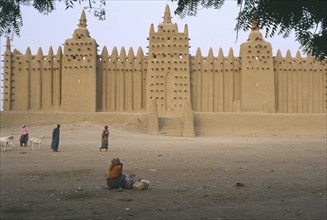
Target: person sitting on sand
(105, 138)
(115, 176)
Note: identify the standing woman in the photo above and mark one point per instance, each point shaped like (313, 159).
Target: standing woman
(55, 138)
(24, 136)
(105, 138)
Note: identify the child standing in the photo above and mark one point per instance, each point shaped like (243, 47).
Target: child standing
(105, 138)
(24, 136)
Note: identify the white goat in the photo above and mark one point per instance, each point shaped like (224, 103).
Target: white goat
(6, 142)
(37, 141)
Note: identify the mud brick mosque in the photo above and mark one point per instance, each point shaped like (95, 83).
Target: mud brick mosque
(168, 85)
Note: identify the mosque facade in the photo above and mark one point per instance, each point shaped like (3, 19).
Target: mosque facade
(167, 80)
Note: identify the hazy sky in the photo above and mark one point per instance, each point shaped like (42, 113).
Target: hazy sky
(127, 25)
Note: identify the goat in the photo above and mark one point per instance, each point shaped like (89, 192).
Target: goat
(37, 141)
(6, 142)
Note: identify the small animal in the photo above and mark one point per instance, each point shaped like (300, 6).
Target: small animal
(6, 142)
(37, 141)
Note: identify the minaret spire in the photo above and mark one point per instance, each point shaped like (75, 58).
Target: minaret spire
(82, 20)
(255, 25)
(167, 17)
(81, 31)
(8, 44)
(255, 34)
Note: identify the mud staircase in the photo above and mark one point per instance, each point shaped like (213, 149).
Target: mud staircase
(171, 126)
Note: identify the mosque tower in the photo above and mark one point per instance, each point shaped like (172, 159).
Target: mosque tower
(7, 81)
(258, 86)
(168, 74)
(79, 74)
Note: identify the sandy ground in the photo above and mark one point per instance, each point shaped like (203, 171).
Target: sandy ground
(190, 178)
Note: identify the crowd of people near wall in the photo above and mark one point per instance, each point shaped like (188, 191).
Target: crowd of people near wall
(56, 136)
(24, 137)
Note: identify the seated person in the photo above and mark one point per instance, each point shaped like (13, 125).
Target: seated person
(115, 176)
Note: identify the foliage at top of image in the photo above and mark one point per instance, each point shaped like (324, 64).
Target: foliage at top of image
(11, 19)
(306, 18)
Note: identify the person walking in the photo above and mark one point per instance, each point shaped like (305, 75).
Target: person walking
(24, 136)
(55, 138)
(105, 138)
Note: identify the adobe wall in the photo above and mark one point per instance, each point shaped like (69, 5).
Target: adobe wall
(260, 125)
(123, 80)
(257, 82)
(32, 82)
(300, 84)
(216, 82)
(15, 118)
(205, 124)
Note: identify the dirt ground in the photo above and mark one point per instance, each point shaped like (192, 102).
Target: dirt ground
(190, 178)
